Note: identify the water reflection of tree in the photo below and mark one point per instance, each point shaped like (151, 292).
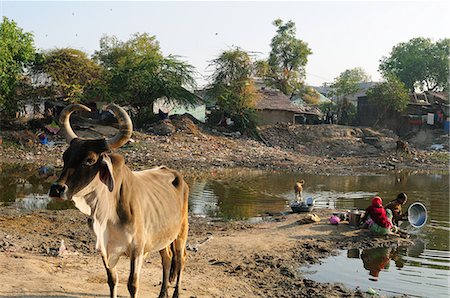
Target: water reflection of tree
(13, 180)
(17, 181)
(202, 201)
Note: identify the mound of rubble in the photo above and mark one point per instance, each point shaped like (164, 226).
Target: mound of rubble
(177, 123)
(329, 140)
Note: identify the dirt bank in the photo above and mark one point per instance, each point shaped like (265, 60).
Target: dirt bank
(187, 146)
(225, 259)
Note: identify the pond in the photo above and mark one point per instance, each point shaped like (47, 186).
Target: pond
(248, 194)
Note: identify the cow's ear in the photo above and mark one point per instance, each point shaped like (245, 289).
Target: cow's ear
(106, 172)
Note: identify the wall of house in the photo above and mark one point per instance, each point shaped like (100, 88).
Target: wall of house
(274, 117)
(198, 111)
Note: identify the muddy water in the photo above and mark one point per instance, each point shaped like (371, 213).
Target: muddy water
(244, 194)
(415, 271)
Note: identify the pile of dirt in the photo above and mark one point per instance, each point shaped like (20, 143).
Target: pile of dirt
(176, 124)
(329, 140)
(189, 145)
(425, 139)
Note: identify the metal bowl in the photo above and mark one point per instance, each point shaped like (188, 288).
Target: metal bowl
(417, 215)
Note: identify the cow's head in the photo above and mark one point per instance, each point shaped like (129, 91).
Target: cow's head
(85, 159)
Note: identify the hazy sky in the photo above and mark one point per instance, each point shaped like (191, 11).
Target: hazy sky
(342, 35)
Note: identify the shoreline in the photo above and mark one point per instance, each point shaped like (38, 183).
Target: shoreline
(225, 259)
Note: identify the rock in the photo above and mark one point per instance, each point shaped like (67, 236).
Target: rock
(309, 218)
(164, 128)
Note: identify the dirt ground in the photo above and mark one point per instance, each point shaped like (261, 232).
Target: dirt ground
(191, 147)
(225, 259)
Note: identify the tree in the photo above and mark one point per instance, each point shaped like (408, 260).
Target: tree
(137, 73)
(309, 95)
(72, 74)
(390, 95)
(419, 63)
(234, 88)
(348, 82)
(17, 53)
(285, 69)
(345, 85)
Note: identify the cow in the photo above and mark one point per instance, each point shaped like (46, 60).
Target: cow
(298, 190)
(131, 213)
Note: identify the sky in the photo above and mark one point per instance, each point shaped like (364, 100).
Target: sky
(341, 35)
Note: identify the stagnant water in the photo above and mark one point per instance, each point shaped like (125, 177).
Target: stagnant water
(422, 270)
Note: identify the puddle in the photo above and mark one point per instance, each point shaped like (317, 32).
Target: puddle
(415, 271)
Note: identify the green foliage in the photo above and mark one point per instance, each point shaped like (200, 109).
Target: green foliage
(389, 95)
(17, 53)
(309, 95)
(347, 83)
(346, 112)
(419, 63)
(73, 75)
(234, 88)
(137, 73)
(327, 106)
(285, 69)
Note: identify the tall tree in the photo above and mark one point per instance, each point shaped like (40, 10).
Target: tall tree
(137, 73)
(17, 53)
(348, 82)
(345, 85)
(309, 95)
(233, 86)
(287, 59)
(390, 95)
(419, 63)
(71, 72)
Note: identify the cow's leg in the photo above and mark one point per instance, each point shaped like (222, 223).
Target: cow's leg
(180, 255)
(166, 260)
(111, 271)
(136, 260)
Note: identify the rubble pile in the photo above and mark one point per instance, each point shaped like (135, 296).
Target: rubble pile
(329, 140)
(189, 146)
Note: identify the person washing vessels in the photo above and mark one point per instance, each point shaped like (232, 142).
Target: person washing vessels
(378, 219)
(396, 208)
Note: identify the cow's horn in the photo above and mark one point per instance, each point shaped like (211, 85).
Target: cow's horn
(64, 119)
(125, 127)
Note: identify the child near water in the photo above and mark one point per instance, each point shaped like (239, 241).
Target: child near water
(396, 207)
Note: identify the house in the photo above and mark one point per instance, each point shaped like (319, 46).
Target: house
(197, 110)
(326, 90)
(430, 109)
(275, 107)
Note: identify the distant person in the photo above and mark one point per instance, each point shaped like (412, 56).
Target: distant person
(396, 208)
(304, 121)
(378, 219)
(329, 117)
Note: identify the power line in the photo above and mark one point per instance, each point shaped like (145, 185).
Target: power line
(320, 77)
